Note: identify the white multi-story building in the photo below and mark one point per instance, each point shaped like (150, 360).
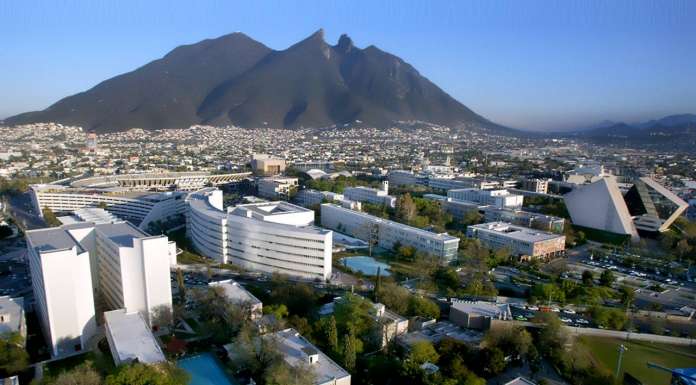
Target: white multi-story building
(237, 294)
(371, 195)
(309, 198)
(536, 185)
(497, 198)
(72, 265)
(134, 269)
(405, 178)
(388, 233)
(62, 282)
(159, 181)
(277, 188)
(130, 338)
(521, 241)
(268, 237)
(140, 208)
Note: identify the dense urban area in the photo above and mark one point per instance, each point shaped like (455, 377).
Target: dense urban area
(413, 255)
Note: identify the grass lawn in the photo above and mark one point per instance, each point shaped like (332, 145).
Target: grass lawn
(604, 351)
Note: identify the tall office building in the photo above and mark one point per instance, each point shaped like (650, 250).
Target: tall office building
(73, 264)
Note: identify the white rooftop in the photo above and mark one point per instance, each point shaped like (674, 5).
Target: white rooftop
(132, 338)
(486, 309)
(516, 232)
(12, 313)
(235, 292)
(297, 350)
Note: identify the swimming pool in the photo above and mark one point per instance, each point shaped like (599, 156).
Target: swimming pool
(204, 369)
(366, 265)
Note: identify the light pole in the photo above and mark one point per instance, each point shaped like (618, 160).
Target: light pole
(622, 349)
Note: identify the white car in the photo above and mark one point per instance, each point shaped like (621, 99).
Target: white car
(533, 308)
(569, 311)
(582, 321)
(566, 320)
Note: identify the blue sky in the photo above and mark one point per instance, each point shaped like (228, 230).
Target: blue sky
(540, 65)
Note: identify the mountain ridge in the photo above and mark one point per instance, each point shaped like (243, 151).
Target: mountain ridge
(236, 80)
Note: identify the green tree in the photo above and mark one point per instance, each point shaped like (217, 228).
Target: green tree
(493, 361)
(349, 352)
(13, 357)
(606, 278)
(84, 374)
(50, 217)
(422, 307)
(406, 209)
(331, 333)
(587, 278)
(278, 311)
(627, 295)
(181, 284)
(142, 374)
(422, 352)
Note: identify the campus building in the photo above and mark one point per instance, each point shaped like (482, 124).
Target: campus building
(277, 187)
(12, 318)
(266, 165)
(238, 295)
(159, 181)
(296, 350)
(535, 185)
(373, 196)
(267, 237)
(388, 233)
(478, 314)
(138, 207)
(117, 263)
(497, 198)
(521, 241)
(309, 198)
(653, 207)
(601, 206)
(130, 338)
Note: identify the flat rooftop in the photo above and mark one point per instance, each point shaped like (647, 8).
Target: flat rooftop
(12, 310)
(515, 232)
(295, 350)
(440, 330)
(121, 233)
(132, 338)
(54, 238)
(272, 208)
(235, 292)
(444, 236)
(487, 309)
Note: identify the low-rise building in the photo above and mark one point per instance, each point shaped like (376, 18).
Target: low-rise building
(535, 185)
(497, 198)
(130, 338)
(296, 350)
(388, 233)
(266, 165)
(310, 198)
(277, 187)
(434, 332)
(237, 294)
(12, 318)
(389, 324)
(521, 241)
(371, 195)
(478, 314)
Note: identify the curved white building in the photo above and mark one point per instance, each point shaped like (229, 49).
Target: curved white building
(140, 208)
(268, 237)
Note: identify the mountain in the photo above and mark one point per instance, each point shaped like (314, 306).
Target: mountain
(236, 80)
(674, 132)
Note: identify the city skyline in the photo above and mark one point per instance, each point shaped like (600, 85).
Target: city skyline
(539, 66)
